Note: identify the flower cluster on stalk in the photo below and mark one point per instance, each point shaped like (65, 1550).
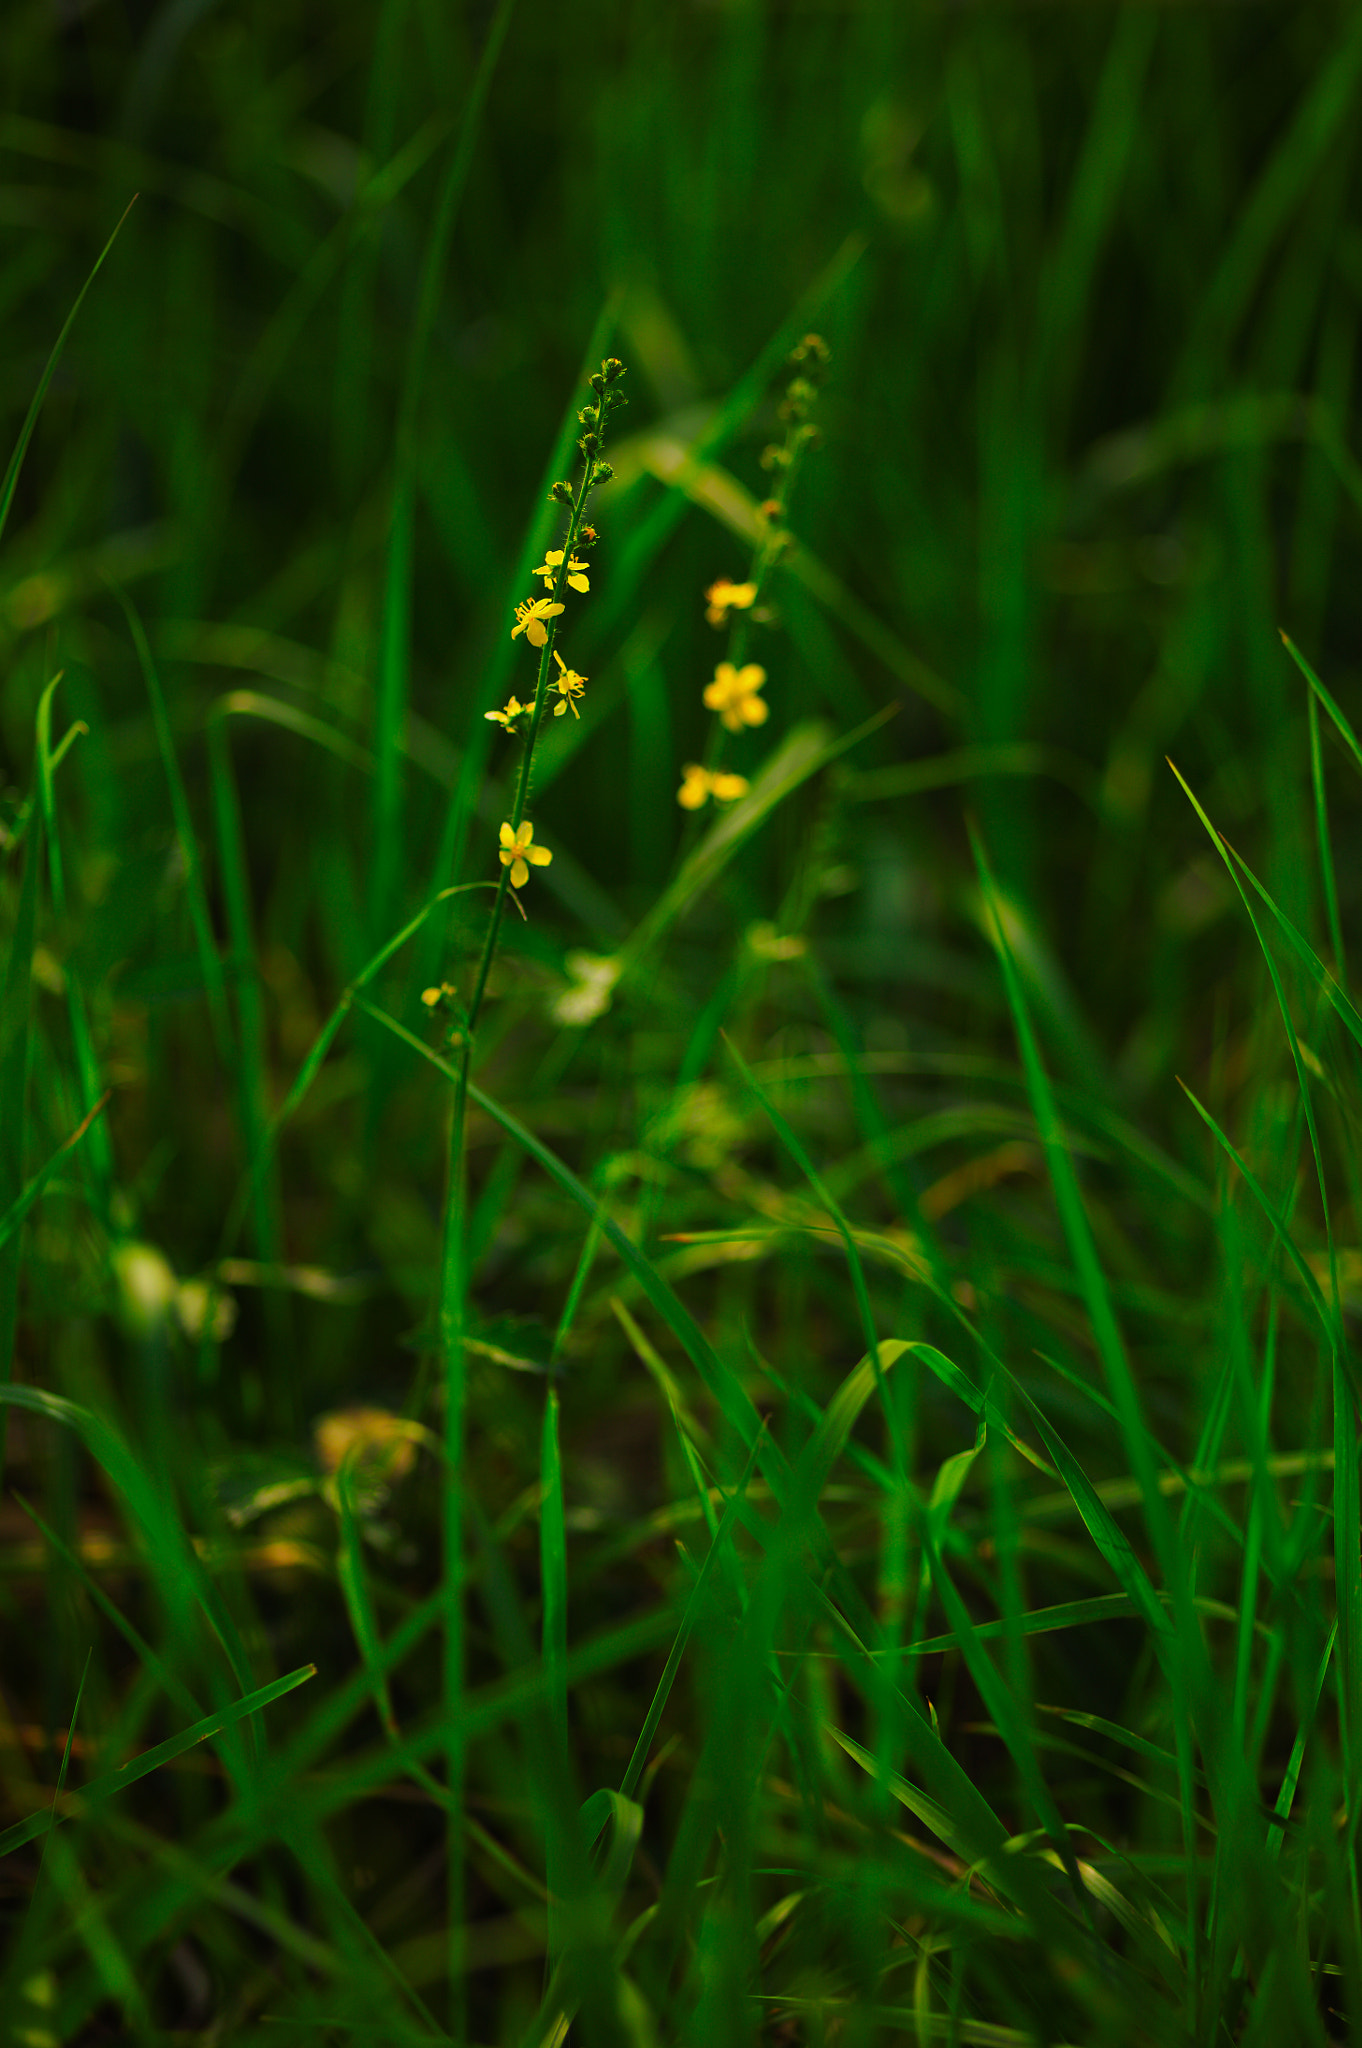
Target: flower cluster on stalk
(734, 693)
(562, 569)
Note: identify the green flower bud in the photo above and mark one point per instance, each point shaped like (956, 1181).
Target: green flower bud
(560, 493)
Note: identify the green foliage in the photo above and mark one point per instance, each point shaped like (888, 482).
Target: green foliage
(748, 1434)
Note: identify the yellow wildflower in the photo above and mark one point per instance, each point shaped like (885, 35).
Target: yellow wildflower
(514, 709)
(722, 595)
(516, 852)
(549, 567)
(529, 620)
(733, 694)
(700, 784)
(569, 685)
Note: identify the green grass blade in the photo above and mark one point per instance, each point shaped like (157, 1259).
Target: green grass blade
(16, 461)
(210, 962)
(100, 1789)
(13, 1217)
(726, 1389)
(15, 1030)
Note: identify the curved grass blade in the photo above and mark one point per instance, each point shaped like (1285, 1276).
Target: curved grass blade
(17, 1210)
(16, 461)
(180, 1574)
(150, 1760)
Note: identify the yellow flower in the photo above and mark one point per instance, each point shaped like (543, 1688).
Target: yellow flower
(723, 594)
(699, 784)
(548, 569)
(514, 709)
(733, 694)
(516, 851)
(529, 620)
(568, 685)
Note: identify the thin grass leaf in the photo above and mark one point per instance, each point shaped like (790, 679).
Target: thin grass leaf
(17, 1210)
(16, 462)
(806, 1166)
(100, 1789)
(355, 1588)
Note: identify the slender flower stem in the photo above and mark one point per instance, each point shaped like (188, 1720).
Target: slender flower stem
(453, 1252)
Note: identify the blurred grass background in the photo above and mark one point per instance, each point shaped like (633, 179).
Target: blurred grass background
(1091, 277)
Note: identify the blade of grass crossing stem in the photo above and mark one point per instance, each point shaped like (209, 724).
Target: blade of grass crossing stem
(15, 1014)
(210, 961)
(16, 461)
(99, 1154)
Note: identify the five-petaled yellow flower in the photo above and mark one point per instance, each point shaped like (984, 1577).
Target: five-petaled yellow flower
(568, 684)
(516, 852)
(548, 569)
(733, 694)
(514, 709)
(700, 784)
(723, 594)
(529, 620)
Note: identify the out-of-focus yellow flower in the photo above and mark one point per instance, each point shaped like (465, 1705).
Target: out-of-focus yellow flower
(733, 694)
(569, 685)
(514, 709)
(723, 596)
(530, 617)
(519, 856)
(699, 784)
(549, 567)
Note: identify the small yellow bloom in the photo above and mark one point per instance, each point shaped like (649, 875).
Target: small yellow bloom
(700, 784)
(722, 595)
(529, 620)
(733, 694)
(569, 685)
(516, 852)
(549, 567)
(514, 709)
